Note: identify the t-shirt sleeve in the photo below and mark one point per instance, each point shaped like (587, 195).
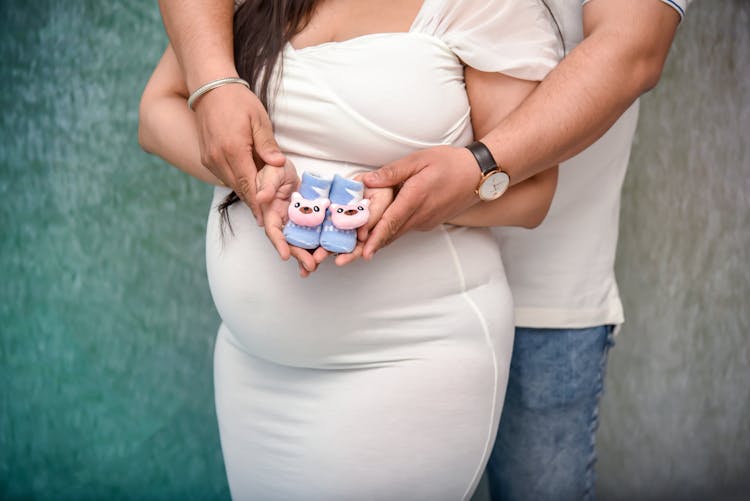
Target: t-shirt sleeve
(515, 37)
(679, 5)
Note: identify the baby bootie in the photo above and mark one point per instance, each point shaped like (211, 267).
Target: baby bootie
(307, 211)
(348, 212)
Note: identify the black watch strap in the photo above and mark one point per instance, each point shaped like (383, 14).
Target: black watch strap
(483, 156)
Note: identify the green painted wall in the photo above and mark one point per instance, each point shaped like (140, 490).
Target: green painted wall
(107, 326)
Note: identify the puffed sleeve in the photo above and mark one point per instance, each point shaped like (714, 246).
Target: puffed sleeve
(515, 37)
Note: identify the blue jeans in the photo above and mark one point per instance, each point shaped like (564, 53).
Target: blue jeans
(545, 444)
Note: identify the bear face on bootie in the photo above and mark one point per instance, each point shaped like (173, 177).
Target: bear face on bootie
(351, 216)
(304, 212)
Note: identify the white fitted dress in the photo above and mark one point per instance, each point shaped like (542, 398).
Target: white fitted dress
(384, 379)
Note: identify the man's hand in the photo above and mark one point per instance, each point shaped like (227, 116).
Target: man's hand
(235, 136)
(438, 184)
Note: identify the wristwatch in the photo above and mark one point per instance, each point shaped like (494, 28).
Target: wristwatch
(494, 180)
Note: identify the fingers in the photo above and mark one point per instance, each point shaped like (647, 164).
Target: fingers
(276, 182)
(394, 173)
(263, 140)
(268, 183)
(395, 219)
(344, 259)
(397, 214)
(320, 255)
(304, 259)
(303, 273)
(273, 225)
(244, 172)
(380, 199)
(274, 230)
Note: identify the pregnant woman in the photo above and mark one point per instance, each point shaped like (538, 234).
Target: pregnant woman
(380, 379)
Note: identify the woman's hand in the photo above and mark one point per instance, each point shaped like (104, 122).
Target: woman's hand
(275, 186)
(380, 199)
(276, 183)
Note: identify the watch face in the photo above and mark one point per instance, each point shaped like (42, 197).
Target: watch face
(494, 186)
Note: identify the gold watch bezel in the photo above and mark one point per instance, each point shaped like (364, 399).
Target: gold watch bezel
(497, 193)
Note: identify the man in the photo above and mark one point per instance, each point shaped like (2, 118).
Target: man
(562, 273)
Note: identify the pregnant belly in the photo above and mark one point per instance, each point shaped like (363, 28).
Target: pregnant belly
(411, 294)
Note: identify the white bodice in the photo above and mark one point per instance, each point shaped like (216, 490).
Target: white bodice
(371, 99)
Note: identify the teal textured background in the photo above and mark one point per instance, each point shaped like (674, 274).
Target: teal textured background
(107, 326)
(107, 322)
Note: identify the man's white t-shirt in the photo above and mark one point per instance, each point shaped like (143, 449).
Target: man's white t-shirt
(562, 272)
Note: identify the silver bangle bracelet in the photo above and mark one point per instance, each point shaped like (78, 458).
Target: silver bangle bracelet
(211, 86)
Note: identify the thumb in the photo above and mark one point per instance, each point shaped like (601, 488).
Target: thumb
(269, 181)
(265, 144)
(392, 174)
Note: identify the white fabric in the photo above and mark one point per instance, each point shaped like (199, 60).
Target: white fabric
(382, 379)
(679, 5)
(515, 38)
(562, 273)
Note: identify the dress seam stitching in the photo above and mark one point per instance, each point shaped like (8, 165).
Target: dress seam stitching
(493, 355)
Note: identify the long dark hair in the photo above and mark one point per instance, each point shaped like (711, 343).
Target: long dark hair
(261, 30)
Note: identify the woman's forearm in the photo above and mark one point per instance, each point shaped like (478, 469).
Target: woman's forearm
(166, 127)
(168, 130)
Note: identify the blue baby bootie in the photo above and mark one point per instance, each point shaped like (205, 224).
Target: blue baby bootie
(309, 202)
(347, 212)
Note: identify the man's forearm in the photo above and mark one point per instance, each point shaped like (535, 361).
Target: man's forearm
(620, 58)
(201, 33)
